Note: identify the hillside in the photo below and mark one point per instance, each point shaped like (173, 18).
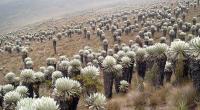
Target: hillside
(141, 94)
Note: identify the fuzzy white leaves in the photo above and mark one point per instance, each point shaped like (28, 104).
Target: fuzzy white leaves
(118, 69)
(27, 76)
(123, 86)
(160, 48)
(68, 86)
(39, 77)
(131, 55)
(56, 75)
(12, 97)
(75, 63)
(22, 90)
(179, 47)
(96, 101)
(195, 46)
(51, 60)
(10, 77)
(25, 104)
(125, 61)
(140, 53)
(109, 61)
(92, 70)
(45, 103)
(8, 88)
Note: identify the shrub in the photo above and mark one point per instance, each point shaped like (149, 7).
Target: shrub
(96, 101)
(39, 77)
(108, 63)
(123, 86)
(179, 47)
(22, 90)
(45, 103)
(10, 77)
(89, 78)
(140, 53)
(25, 104)
(125, 61)
(7, 88)
(68, 87)
(12, 97)
(27, 76)
(181, 97)
(56, 75)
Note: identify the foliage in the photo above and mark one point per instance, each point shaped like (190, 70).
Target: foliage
(151, 73)
(27, 76)
(45, 103)
(123, 86)
(22, 90)
(12, 97)
(96, 101)
(179, 69)
(88, 81)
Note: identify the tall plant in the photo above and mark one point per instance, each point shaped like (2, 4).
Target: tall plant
(180, 59)
(108, 74)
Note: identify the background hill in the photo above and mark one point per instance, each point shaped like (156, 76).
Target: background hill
(17, 13)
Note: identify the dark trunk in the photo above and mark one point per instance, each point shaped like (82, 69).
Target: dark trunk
(85, 60)
(161, 67)
(75, 72)
(168, 75)
(82, 59)
(1, 98)
(125, 73)
(116, 50)
(108, 83)
(186, 69)
(64, 72)
(37, 89)
(130, 72)
(54, 47)
(64, 104)
(24, 57)
(172, 37)
(105, 47)
(117, 83)
(74, 103)
(195, 73)
(141, 68)
(30, 89)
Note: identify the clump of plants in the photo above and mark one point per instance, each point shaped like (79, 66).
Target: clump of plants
(96, 101)
(89, 78)
(124, 85)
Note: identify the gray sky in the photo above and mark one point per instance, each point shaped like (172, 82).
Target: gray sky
(17, 13)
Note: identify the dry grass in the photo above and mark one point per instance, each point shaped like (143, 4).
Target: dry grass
(181, 97)
(151, 99)
(159, 97)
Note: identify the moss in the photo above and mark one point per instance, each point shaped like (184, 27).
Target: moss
(89, 81)
(179, 69)
(48, 83)
(151, 74)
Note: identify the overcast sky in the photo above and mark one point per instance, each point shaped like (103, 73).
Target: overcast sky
(16, 13)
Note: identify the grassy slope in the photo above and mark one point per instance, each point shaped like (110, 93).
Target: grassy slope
(68, 47)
